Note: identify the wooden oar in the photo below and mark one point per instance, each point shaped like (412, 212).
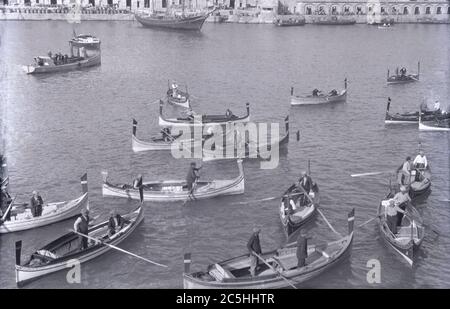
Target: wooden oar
(279, 273)
(267, 199)
(191, 192)
(328, 223)
(119, 249)
(370, 220)
(370, 174)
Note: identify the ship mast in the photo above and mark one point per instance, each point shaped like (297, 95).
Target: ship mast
(183, 8)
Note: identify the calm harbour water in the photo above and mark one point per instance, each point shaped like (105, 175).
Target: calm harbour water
(59, 126)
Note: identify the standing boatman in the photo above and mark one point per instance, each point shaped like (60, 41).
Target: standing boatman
(36, 204)
(254, 246)
(302, 249)
(81, 226)
(192, 176)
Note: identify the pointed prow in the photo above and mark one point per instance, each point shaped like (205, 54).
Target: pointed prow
(187, 263)
(351, 221)
(84, 183)
(134, 126)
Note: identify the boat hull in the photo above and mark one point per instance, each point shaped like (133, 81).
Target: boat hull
(140, 146)
(70, 210)
(187, 23)
(426, 127)
(26, 274)
(89, 62)
(310, 100)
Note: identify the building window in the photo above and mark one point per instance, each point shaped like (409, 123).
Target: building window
(146, 3)
(91, 2)
(383, 10)
(308, 10)
(370, 9)
(346, 9)
(416, 11)
(164, 4)
(358, 10)
(333, 10)
(394, 10)
(405, 11)
(428, 10)
(128, 3)
(439, 10)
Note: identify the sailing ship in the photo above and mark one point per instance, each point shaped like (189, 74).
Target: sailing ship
(172, 19)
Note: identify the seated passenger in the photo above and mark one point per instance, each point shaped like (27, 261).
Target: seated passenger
(115, 223)
(229, 113)
(333, 92)
(315, 92)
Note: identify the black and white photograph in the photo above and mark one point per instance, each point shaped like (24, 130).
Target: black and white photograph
(224, 144)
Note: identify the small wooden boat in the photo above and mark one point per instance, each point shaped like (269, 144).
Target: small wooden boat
(193, 21)
(44, 64)
(161, 143)
(412, 117)
(22, 219)
(56, 255)
(178, 97)
(289, 20)
(85, 40)
(332, 97)
(250, 150)
(298, 207)
(283, 271)
(409, 235)
(417, 186)
(176, 190)
(385, 26)
(203, 120)
(434, 125)
(402, 77)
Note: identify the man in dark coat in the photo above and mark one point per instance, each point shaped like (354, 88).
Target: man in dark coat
(192, 175)
(306, 183)
(36, 204)
(81, 226)
(115, 223)
(254, 246)
(302, 249)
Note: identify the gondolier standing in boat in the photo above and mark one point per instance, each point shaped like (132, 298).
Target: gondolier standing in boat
(420, 163)
(405, 173)
(192, 177)
(302, 249)
(401, 200)
(81, 225)
(36, 204)
(137, 182)
(254, 246)
(392, 213)
(305, 182)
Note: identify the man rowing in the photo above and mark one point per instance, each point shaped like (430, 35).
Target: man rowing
(392, 213)
(192, 177)
(81, 226)
(254, 246)
(405, 172)
(401, 200)
(306, 183)
(166, 134)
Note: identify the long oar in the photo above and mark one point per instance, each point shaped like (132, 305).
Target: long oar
(119, 249)
(279, 273)
(370, 174)
(267, 199)
(368, 221)
(7, 210)
(191, 192)
(328, 223)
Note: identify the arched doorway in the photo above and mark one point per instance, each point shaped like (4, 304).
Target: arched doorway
(427, 10)
(333, 10)
(405, 11)
(128, 3)
(439, 10)
(308, 10)
(448, 10)
(416, 10)
(110, 2)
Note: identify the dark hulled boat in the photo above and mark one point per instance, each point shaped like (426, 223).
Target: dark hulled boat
(413, 117)
(403, 78)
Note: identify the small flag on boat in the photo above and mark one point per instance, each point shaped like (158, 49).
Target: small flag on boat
(351, 220)
(298, 135)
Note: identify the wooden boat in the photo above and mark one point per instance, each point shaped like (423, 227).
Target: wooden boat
(193, 21)
(435, 125)
(234, 273)
(385, 26)
(404, 78)
(296, 209)
(334, 20)
(44, 64)
(409, 235)
(56, 255)
(416, 187)
(22, 219)
(178, 97)
(321, 98)
(159, 143)
(205, 120)
(176, 190)
(412, 117)
(289, 20)
(85, 40)
(250, 150)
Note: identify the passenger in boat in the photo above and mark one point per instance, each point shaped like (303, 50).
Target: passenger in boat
(401, 200)
(115, 223)
(81, 226)
(392, 213)
(192, 176)
(420, 162)
(137, 182)
(166, 134)
(302, 249)
(315, 92)
(254, 246)
(36, 204)
(333, 92)
(229, 113)
(403, 72)
(50, 54)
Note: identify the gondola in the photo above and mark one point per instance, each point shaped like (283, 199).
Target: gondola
(250, 150)
(176, 190)
(161, 143)
(409, 235)
(203, 120)
(435, 124)
(57, 255)
(283, 271)
(412, 117)
(320, 98)
(417, 186)
(298, 207)
(178, 97)
(22, 219)
(403, 78)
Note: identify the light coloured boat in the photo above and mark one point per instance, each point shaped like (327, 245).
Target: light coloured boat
(177, 97)
(176, 190)
(403, 78)
(22, 219)
(321, 98)
(61, 253)
(283, 271)
(436, 125)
